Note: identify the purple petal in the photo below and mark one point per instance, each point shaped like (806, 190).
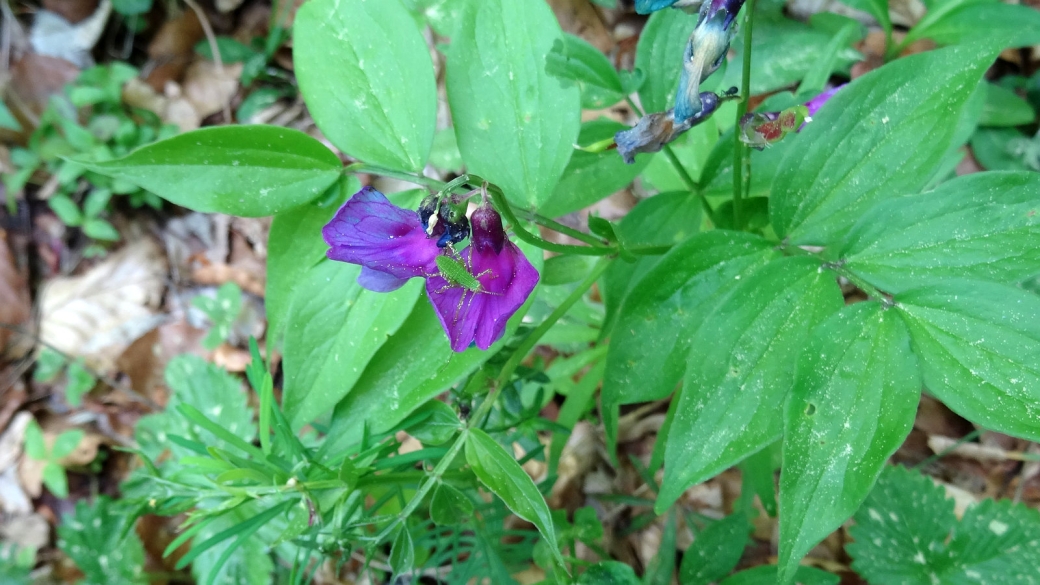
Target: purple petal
(817, 102)
(370, 231)
(379, 281)
(506, 280)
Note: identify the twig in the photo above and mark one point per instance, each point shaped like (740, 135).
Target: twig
(215, 49)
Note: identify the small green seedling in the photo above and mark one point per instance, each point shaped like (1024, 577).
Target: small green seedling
(36, 448)
(79, 380)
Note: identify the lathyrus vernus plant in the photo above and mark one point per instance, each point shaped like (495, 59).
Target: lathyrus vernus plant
(747, 327)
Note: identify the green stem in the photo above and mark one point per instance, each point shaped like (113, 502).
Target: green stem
(521, 232)
(402, 176)
(532, 338)
(563, 229)
(741, 152)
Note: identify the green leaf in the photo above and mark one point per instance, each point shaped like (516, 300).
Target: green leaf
(855, 153)
(333, 329)
(515, 124)
(66, 209)
(849, 31)
(366, 75)
(208, 388)
(7, 120)
(574, 59)
(853, 404)
(565, 269)
(981, 225)
(413, 367)
(100, 539)
(609, 573)
(439, 423)
(983, 22)
(449, 506)
(250, 171)
(783, 52)
(222, 311)
(445, 153)
(656, 323)
(1005, 149)
(54, 478)
(659, 55)
(741, 367)
(661, 568)
(231, 51)
(906, 532)
(294, 247)
(131, 7)
(402, 553)
(100, 229)
(48, 365)
(767, 575)
(977, 344)
(715, 551)
(665, 219)
(96, 201)
(876, 8)
(66, 443)
(248, 563)
(1005, 108)
(592, 176)
(500, 473)
(35, 447)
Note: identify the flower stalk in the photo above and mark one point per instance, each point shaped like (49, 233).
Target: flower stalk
(741, 152)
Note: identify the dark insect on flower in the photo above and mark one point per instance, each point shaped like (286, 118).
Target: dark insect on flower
(473, 293)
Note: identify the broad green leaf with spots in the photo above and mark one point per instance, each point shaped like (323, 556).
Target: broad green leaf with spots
(852, 405)
(741, 367)
(907, 532)
(979, 348)
(367, 77)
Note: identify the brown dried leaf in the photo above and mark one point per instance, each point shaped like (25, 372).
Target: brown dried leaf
(97, 315)
(15, 309)
(209, 87)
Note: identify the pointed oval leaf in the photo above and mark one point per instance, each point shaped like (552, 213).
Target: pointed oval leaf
(500, 473)
(367, 77)
(715, 551)
(294, 246)
(740, 369)
(983, 225)
(250, 171)
(402, 553)
(852, 405)
(880, 137)
(651, 341)
(516, 124)
(979, 348)
(449, 506)
(334, 328)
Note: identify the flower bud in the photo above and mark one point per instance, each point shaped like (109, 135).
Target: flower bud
(488, 233)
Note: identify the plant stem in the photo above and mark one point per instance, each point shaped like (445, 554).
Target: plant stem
(532, 338)
(521, 232)
(563, 229)
(741, 152)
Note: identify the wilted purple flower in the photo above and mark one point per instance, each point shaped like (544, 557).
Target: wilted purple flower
(705, 52)
(392, 245)
(506, 278)
(655, 130)
(761, 129)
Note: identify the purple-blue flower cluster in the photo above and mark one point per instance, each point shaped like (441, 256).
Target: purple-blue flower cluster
(393, 245)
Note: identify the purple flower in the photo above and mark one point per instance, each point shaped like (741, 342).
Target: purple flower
(479, 314)
(387, 241)
(761, 129)
(392, 245)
